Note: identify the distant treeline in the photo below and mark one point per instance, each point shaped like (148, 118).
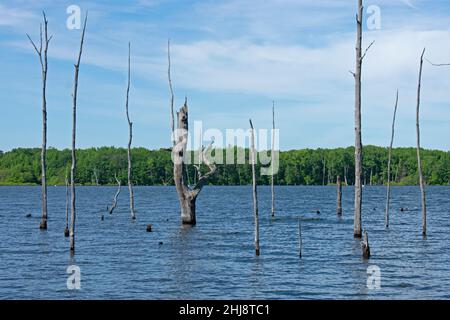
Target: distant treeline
(154, 167)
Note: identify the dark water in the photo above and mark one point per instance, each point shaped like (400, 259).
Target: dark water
(215, 259)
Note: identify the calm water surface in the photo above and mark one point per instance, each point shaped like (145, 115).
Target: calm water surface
(215, 259)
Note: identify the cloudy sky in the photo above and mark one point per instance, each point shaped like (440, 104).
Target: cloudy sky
(231, 58)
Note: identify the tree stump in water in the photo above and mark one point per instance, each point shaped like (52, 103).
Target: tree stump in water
(365, 246)
(339, 196)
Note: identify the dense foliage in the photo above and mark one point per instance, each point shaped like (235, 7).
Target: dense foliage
(154, 167)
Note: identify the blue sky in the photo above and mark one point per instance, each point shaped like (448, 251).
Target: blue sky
(231, 58)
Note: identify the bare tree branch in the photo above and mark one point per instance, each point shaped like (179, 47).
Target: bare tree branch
(437, 64)
(367, 49)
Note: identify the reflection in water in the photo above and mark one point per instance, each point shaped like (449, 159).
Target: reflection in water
(216, 258)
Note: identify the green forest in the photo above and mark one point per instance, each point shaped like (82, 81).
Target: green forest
(98, 166)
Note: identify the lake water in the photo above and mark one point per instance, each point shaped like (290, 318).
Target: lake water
(118, 259)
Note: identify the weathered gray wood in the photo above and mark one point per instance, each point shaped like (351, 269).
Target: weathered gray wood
(339, 195)
(42, 54)
(130, 130)
(419, 162)
(114, 204)
(255, 193)
(66, 230)
(273, 159)
(74, 127)
(358, 142)
(187, 194)
(365, 246)
(300, 241)
(388, 191)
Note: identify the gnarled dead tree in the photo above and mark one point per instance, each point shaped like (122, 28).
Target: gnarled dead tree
(114, 204)
(255, 193)
(388, 195)
(74, 131)
(130, 127)
(187, 194)
(419, 162)
(42, 54)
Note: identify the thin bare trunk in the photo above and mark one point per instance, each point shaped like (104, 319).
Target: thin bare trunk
(345, 175)
(358, 142)
(130, 127)
(339, 195)
(114, 204)
(42, 54)
(388, 194)
(172, 118)
(74, 127)
(66, 230)
(255, 194)
(419, 162)
(272, 163)
(300, 242)
(95, 176)
(323, 171)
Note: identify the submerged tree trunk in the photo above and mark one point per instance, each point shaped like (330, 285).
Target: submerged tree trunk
(74, 126)
(273, 159)
(388, 195)
(339, 195)
(130, 127)
(255, 194)
(419, 162)
(42, 54)
(114, 204)
(187, 195)
(358, 141)
(66, 230)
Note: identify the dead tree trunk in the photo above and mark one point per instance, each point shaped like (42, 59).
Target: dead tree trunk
(42, 54)
(273, 159)
(419, 162)
(74, 129)
(388, 195)
(66, 230)
(114, 204)
(323, 171)
(358, 142)
(365, 246)
(130, 127)
(186, 194)
(345, 175)
(339, 195)
(255, 194)
(95, 176)
(300, 242)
